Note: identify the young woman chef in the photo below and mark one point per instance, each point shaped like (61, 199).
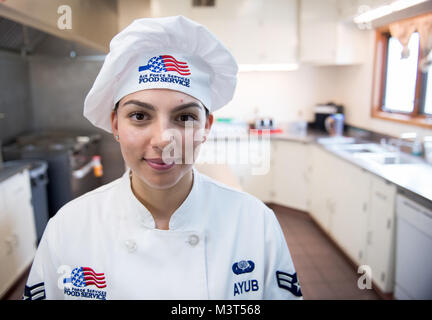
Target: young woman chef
(162, 230)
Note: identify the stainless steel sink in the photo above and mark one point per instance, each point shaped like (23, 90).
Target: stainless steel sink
(388, 158)
(376, 153)
(362, 148)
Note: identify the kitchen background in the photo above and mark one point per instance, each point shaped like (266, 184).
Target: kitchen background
(294, 55)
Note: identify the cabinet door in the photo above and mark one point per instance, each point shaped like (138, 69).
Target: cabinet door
(325, 38)
(21, 228)
(320, 186)
(6, 261)
(348, 222)
(380, 242)
(256, 32)
(318, 31)
(255, 167)
(290, 174)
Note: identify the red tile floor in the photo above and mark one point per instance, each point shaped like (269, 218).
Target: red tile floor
(323, 271)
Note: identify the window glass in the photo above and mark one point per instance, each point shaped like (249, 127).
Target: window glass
(428, 95)
(401, 76)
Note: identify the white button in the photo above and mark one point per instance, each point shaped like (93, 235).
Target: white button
(193, 240)
(131, 245)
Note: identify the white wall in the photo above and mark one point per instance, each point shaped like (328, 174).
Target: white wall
(129, 10)
(287, 96)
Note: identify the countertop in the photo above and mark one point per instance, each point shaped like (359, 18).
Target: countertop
(8, 171)
(414, 178)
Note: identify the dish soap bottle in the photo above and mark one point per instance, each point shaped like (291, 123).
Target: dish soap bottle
(416, 148)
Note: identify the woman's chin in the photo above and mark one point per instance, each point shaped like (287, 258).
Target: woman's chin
(157, 178)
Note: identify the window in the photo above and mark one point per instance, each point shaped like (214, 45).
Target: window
(401, 91)
(401, 75)
(427, 100)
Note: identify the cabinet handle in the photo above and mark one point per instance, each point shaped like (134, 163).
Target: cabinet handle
(364, 206)
(330, 206)
(380, 195)
(382, 276)
(15, 240)
(369, 237)
(389, 222)
(9, 246)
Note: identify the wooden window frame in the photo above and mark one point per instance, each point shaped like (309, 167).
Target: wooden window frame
(416, 118)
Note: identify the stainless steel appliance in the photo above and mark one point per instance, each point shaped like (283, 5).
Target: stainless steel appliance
(67, 153)
(413, 248)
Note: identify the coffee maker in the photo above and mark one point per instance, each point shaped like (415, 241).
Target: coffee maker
(322, 111)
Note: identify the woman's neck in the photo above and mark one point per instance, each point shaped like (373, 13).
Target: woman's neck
(162, 203)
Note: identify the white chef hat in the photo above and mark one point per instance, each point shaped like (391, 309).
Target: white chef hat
(172, 53)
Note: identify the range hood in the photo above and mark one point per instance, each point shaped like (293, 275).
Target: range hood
(28, 27)
(19, 38)
(27, 41)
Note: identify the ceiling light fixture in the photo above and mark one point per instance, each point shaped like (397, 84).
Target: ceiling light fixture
(382, 11)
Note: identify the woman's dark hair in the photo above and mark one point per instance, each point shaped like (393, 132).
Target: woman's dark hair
(117, 105)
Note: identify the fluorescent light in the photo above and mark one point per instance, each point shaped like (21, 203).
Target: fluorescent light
(382, 11)
(268, 67)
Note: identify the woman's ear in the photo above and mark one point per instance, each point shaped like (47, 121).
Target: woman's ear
(209, 122)
(114, 123)
(208, 125)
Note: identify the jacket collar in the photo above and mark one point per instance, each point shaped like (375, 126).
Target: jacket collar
(186, 217)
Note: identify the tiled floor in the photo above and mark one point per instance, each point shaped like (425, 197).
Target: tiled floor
(323, 271)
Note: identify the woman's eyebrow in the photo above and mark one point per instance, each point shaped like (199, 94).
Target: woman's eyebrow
(140, 104)
(187, 105)
(151, 107)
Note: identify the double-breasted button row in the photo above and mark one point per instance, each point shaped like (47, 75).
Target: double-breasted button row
(131, 244)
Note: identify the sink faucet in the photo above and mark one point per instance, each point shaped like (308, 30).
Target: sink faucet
(402, 141)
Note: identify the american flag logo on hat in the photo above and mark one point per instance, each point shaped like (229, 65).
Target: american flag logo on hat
(166, 63)
(83, 277)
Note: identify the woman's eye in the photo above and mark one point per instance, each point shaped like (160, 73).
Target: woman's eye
(138, 116)
(187, 117)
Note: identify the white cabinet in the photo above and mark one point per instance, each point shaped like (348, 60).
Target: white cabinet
(349, 216)
(290, 174)
(356, 209)
(325, 39)
(256, 32)
(253, 165)
(275, 171)
(340, 201)
(321, 195)
(248, 158)
(381, 233)
(17, 229)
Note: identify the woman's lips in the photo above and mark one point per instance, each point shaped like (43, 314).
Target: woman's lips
(159, 164)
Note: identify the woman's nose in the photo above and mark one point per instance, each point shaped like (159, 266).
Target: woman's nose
(162, 135)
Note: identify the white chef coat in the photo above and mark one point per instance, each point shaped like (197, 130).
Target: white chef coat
(221, 244)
